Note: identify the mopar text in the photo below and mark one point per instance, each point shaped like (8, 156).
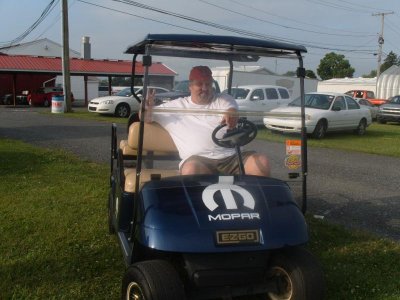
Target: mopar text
(235, 216)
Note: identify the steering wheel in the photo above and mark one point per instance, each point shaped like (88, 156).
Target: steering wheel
(244, 132)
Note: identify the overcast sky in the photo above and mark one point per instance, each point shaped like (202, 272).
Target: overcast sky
(347, 27)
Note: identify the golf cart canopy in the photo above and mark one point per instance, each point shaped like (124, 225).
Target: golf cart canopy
(214, 47)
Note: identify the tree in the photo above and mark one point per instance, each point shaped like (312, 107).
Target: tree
(290, 73)
(310, 74)
(390, 60)
(334, 66)
(372, 74)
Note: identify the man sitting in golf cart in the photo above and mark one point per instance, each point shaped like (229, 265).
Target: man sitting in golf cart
(192, 133)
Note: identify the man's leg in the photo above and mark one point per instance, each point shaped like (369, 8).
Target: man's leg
(257, 164)
(196, 165)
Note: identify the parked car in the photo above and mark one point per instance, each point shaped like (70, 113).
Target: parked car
(120, 104)
(21, 99)
(389, 112)
(180, 90)
(259, 98)
(103, 91)
(372, 108)
(324, 112)
(42, 96)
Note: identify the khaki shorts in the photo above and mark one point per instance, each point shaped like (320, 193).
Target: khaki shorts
(224, 166)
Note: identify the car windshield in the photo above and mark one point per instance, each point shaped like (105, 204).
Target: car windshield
(238, 93)
(395, 100)
(125, 92)
(318, 101)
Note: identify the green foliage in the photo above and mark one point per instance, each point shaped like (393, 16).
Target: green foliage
(289, 73)
(372, 74)
(391, 60)
(334, 66)
(310, 74)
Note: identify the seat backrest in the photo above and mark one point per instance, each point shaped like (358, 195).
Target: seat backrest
(156, 138)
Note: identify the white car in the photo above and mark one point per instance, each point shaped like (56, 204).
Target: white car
(121, 104)
(324, 112)
(258, 99)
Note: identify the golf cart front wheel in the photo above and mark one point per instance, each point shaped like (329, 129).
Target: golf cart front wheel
(297, 276)
(153, 279)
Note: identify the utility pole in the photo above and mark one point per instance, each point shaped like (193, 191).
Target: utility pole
(65, 57)
(381, 40)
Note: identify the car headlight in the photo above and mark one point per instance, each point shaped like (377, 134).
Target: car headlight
(107, 102)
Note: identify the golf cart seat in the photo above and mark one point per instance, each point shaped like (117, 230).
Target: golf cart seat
(157, 144)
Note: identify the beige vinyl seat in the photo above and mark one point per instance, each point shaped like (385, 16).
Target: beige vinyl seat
(157, 143)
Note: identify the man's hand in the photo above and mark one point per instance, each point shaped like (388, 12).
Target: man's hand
(230, 118)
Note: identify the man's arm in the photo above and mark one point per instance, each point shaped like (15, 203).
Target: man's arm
(230, 118)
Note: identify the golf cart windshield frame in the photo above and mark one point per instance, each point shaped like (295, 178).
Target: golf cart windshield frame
(227, 48)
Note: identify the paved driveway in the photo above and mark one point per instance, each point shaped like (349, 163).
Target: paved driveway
(354, 189)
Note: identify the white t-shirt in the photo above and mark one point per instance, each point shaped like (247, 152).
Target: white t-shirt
(191, 133)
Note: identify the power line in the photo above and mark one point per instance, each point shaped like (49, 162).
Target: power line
(43, 16)
(293, 20)
(141, 17)
(231, 29)
(277, 24)
(338, 6)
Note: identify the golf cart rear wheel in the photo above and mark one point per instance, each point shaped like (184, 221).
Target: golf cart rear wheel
(297, 276)
(152, 280)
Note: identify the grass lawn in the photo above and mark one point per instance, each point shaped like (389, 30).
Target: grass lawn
(381, 139)
(54, 242)
(79, 114)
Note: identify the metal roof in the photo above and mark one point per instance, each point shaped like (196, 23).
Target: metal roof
(78, 66)
(214, 47)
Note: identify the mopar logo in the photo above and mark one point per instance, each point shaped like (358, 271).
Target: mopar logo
(226, 186)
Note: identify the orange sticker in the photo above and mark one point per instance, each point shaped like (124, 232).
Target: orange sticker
(293, 147)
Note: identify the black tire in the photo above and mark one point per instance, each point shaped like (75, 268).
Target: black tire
(111, 229)
(320, 130)
(298, 276)
(152, 280)
(46, 103)
(362, 127)
(122, 110)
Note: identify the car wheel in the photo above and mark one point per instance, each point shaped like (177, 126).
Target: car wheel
(320, 130)
(123, 110)
(362, 127)
(297, 275)
(152, 279)
(46, 103)
(111, 229)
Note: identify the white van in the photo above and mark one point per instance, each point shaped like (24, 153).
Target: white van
(260, 98)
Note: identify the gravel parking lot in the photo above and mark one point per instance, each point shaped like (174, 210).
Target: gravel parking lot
(354, 189)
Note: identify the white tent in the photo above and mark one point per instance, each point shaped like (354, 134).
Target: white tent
(388, 84)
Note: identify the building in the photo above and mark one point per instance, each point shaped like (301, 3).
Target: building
(245, 75)
(29, 66)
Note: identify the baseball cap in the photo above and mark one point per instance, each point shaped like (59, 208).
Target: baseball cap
(200, 73)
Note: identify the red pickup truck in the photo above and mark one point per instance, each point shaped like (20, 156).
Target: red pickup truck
(369, 95)
(42, 96)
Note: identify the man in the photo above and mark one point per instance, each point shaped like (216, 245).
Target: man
(191, 133)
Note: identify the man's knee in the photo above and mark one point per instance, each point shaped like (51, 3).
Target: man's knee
(193, 166)
(257, 164)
